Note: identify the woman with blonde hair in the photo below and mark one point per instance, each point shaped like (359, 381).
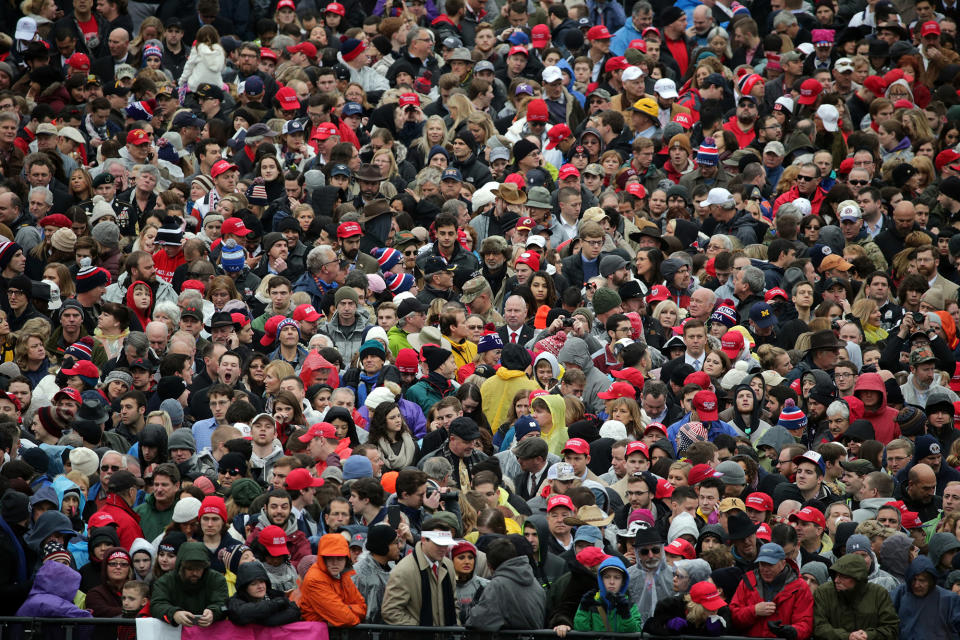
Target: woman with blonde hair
(666, 315)
(460, 108)
(788, 179)
(273, 374)
(867, 312)
(385, 161)
(481, 126)
(81, 185)
(221, 290)
(926, 175)
(627, 411)
(435, 134)
(43, 12)
(161, 418)
(30, 354)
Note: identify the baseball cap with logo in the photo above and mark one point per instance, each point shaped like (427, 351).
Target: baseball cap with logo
(557, 134)
(732, 344)
(577, 445)
(138, 137)
(809, 90)
(809, 514)
(560, 501)
(220, 167)
(319, 430)
(921, 355)
(349, 229)
(705, 404)
(274, 540)
(814, 457)
(306, 312)
(598, 32)
(762, 315)
(759, 502)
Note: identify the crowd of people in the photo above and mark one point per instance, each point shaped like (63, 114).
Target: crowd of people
(580, 315)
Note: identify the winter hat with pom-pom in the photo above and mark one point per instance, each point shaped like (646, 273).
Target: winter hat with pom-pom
(791, 417)
(232, 256)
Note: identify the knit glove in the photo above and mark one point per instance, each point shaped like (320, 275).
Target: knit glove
(623, 605)
(715, 625)
(677, 624)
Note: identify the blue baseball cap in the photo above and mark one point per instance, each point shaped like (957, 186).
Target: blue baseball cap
(762, 315)
(351, 109)
(341, 170)
(452, 174)
(588, 533)
(771, 553)
(519, 38)
(253, 86)
(292, 126)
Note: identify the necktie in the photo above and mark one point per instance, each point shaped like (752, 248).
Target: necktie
(436, 572)
(464, 476)
(513, 337)
(696, 365)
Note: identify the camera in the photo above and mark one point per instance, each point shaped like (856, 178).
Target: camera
(918, 317)
(567, 323)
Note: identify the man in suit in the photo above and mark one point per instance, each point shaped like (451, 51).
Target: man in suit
(928, 259)
(118, 44)
(531, 455)
(515, 331)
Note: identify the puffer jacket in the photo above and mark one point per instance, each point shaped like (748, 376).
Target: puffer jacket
(935, 616)
(128, 521)
(599, 610)
(836, 614)
(794, 606)
(575, 351)
(884, 417)
(498, 391)
(324, 598)
(171, 593)
(511, 600)
(272, 611)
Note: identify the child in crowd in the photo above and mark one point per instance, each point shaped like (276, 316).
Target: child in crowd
(609, 608)
(256, 602)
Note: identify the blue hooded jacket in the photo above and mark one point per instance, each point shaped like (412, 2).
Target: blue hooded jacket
(77, 546)
(616, 562)
(936, 616)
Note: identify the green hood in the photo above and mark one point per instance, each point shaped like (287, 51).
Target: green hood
(192, 551)
(849, 565)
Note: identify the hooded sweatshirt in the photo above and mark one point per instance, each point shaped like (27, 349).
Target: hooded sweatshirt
(575, 351)
(546, 566)
(498, 391)
(272, 611)
(171, 593)
(882, 417)
(836, 614)
(935, 616)
(142, 317)
(619, 613)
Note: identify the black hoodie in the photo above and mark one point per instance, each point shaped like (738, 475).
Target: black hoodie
(272, 611)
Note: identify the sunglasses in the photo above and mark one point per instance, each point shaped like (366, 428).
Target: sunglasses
(651, 551)
(806, 178)
(859, 183)
(109, 467)
(118, 564)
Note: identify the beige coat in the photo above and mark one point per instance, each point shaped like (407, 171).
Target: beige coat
(402, 598)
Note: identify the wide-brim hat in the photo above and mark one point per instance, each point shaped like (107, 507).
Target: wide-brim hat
(740, 527)
(369, 173)
(510, 193)
(589, 515)
(428, 335)
(824, 340)
(374, 210)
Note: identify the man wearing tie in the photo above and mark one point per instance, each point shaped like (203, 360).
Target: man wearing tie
(695, 337)
(515, 314)
(532, 456)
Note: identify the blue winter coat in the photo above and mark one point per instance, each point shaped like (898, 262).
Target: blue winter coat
(936, 616)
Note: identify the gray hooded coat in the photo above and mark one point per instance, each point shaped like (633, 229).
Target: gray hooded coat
(512, 599)
(575, 351)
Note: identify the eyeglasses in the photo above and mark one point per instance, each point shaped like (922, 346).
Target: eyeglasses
(109, 467)
(804, 178)
(118, 564)
(15, 292)
(594, 243)
(649, 551)
(233, 472)
(859, 183)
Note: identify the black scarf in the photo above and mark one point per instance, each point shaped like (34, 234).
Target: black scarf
(426, 600)
(440, 383)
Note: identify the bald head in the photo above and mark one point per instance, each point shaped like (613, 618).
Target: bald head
(158, 335)
(117, 42)
(922, 482)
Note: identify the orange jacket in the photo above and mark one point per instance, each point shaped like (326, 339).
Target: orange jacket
(324, 598)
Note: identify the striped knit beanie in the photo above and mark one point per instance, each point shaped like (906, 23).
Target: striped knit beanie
(398, 282)
(152, 48)
(170, 234)
(387, 258)
(82, 349)
(791, 418)
(707, 154)
(232, 256)
(7, 251)
(90, 277)
(724, 314)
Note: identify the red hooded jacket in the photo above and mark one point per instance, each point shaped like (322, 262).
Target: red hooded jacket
(794, 607)
(883, 418)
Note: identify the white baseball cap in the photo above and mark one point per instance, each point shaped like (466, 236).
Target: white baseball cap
(631, 73)
(666, 88)
(718, 196)
(26, 29)
(551, 74)
(830, 117)
(442, 538)
(843, 65)
(849, 210)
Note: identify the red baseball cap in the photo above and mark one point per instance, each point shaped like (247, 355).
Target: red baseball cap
(79, 61)
(701, 472)
(102, 519)
(685, 120)
(557, 134)
(306, 312)
(268, 53)
(530, 259)
(910, 520)
(659, 426)
(70, 394)
(638, 44)
(929, 28)
(240, 319)
(648, 30)
(616, 63)
(306, 48)
(636, 189)
(876, 85)
(759, 502)
(637, 447)
(658, 293)
(809, 90)
(664, 489)
(764, 532)
(560, 501)
(698, 378)
(325, 130)
(349, 229)
(809, 514)
(731, 344)
(946, 157)
(773, 293)
(618, 390)
(705, 404)
(319, 430)
(139, 136)
(598, 32)
(526, 224)
(274, 540)
(682, 548)
(568, 171)
(84, 368)
(286, 4)
(220, 167)
(233, 226)
(540, 36)
(337, 8)
(518, 49)
(577, 445)
(270, 330)
(300, 479)
(407, 99)
(288, 99)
